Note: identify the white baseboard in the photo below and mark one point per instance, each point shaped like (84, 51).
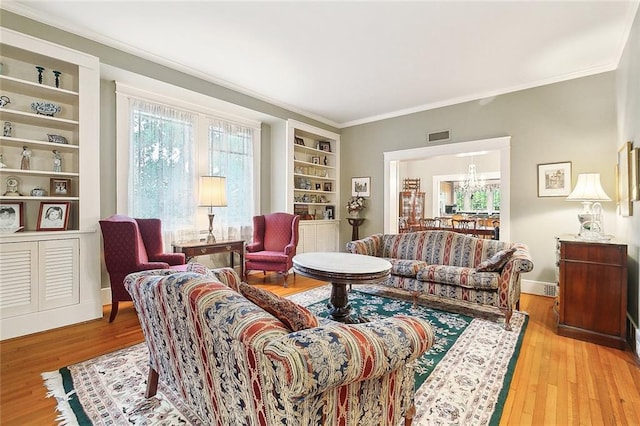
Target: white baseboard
(105, 296)
(541, 288)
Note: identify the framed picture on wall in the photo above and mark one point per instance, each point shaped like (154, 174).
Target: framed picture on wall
(554, 179)
(623, 178)
(635, 174)
(361, 186)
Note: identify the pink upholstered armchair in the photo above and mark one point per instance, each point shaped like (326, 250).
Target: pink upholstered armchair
(275, 238)
(133, 245)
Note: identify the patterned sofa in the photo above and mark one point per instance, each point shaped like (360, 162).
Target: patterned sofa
(234, 363)
(452, 266)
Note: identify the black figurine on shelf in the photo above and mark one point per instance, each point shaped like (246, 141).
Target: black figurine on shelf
(57, 74)
(40, 70)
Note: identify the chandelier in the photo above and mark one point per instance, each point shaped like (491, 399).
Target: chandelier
(472, 183)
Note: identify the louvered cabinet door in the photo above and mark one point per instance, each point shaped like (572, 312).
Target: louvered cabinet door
(58, 273)
(18, 278)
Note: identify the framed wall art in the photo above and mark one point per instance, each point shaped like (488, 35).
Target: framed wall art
(361, 186)
(623, 179)
(53, 216)
(635, 174)
(554, 179)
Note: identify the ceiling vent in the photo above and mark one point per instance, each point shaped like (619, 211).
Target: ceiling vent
(445, 135)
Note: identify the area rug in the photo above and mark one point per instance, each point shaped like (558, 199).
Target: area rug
(463, 379)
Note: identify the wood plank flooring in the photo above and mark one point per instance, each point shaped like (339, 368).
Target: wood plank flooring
(557, 381)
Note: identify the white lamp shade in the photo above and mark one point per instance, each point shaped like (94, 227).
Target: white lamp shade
(212, 191)
(588, 188)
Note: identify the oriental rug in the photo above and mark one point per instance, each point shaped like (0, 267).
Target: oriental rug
(462, 380)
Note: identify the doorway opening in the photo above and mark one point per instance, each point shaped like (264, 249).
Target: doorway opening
(393, 161)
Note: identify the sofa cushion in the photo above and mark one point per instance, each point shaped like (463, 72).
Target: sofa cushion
(292, 315)
(406, 267)
(496, 262)
(459, 276)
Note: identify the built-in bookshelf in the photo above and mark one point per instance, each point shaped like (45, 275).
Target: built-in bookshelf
(50, 159)
(313, 184)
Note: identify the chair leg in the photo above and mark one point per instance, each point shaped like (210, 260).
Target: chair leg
(286, 275)
(114, 310)
(152, 383)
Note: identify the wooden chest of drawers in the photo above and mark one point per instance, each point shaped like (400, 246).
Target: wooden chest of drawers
(592, 302)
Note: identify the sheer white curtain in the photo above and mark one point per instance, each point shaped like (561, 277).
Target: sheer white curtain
(162, 167)
(231, 154)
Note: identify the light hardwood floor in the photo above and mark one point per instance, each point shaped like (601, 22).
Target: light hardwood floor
(557, 381)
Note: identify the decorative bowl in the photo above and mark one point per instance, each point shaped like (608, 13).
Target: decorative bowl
(38, 192)
(45, 108)
(57, 139)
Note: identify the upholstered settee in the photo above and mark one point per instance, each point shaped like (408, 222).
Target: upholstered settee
(235, 363)
(452, 266)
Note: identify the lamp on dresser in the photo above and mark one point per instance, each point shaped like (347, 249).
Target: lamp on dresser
(589, 191)
(212, 193)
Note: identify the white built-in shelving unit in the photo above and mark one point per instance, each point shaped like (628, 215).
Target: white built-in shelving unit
(49, 279)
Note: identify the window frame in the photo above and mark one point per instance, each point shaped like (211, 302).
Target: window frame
(125, 92)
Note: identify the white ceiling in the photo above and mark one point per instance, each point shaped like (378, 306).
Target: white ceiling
(352, 62)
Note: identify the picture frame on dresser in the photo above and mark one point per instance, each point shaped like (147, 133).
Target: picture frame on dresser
(554, 179)
(11, 216)
(53, 216)
(623, 180)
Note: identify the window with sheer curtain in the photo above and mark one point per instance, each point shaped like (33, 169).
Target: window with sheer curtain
(168, 148)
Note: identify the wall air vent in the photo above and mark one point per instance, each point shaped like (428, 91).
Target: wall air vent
(439, 136)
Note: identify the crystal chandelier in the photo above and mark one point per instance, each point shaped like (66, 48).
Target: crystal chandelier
(472, 183)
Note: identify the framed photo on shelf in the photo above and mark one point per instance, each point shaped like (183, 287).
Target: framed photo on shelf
(324, 146)
(11, 216)
(361, 187)
(327, 187)
(554, 179)
(53, 216)
(623, 178)
(318, 186)
(315, 160)
(332, 212)
(298, 141)
(60, 187)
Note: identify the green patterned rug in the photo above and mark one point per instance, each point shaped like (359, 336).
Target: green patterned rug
(463, 379)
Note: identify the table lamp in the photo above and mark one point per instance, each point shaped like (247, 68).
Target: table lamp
(589, 191)
(212, 193)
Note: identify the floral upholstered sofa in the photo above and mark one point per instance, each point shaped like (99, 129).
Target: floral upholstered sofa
(220, 345)
(452, 266)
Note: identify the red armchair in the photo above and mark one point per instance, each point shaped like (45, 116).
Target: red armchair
(275, 239)
(133, 245)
